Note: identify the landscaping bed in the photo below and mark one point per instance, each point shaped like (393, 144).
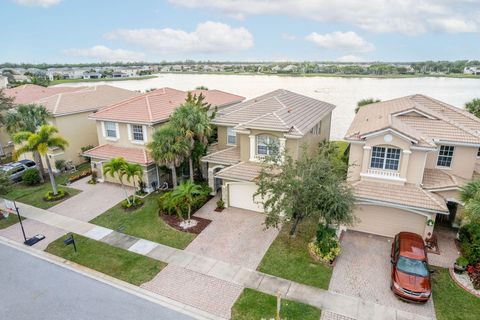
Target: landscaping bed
(174, 222)
(119, 263)
(34, 195)
(254, 305)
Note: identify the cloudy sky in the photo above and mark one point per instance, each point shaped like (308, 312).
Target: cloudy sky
(248, 30)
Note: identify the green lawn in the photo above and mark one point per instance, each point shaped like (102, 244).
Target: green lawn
(144, 223)
(289, 258)
(121, 264)
(254, 305)
(12, 219)
(452, 302)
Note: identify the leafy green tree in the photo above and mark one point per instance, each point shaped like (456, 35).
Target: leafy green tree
(473, 107)
(132, 171)
(5, 183)
(470, 196)
(312, 186)
(365, 102)
(6, 103)
(41, 141)
(169, 147)
(186, 193)
(115, 168)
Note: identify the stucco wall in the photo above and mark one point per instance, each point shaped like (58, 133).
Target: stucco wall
(463, 161)
(122, 139)
(355, 160)
(416, 164)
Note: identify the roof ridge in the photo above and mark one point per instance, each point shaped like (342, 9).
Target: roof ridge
(118, 104)
(430, 195)
(149, 109)
(57, 103)
(221, 151)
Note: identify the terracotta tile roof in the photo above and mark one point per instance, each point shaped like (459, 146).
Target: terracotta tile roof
(108, 151)
(434, 121)
(279, 110)
(439, 179)
(156, 106)
(408, 195)
(243, 171)
(229, 156)
(29, 93)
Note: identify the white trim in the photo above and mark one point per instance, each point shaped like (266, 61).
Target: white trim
(103, 129)
(117, 129)
(145, 134)
(367, 148)
(442, 189)
(355, 141)
(460, 144)
(401, 135)
(377, 176)
(405, 151)
(415, 111)
(428, 149)
(417, 210)
(129, 129)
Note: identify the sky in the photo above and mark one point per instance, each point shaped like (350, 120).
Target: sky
(69, 31)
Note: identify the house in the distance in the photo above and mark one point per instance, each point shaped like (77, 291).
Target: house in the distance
(408, 158)
(276, 122)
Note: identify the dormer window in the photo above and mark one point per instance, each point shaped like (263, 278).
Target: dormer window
(267, 145)
(445, 156)
(231, 136)
(385, 158)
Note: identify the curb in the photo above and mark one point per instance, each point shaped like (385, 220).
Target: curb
(114, 282)
(450, 271)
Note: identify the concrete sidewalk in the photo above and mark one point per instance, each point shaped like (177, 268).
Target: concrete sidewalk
(343, 305)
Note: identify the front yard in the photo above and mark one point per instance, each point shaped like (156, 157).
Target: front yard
(7, 222)
(121, 264)
(289, 258)
(144, 223)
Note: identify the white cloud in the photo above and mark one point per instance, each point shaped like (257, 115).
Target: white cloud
(343, 41)
(208, 37)
(102, 53)
(349, 58)
(288, 36)
(38, 3)
(409, 17)
(453, 25)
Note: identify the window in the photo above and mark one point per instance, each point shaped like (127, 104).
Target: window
(137, 132)
(267, 145)
(111, 129)
(231, 136)
(385, 158)
(317, 129)
(478, 153)
(445, 155)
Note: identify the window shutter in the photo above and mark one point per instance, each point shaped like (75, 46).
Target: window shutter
(145, 136)
(103, 129)
(117, 129)
(129, 128)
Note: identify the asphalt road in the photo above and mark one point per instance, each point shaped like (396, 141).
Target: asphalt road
(32, 288)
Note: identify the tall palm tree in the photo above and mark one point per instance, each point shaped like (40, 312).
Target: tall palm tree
(115, 167)
(132, 171)
(27, 117)
(186, 193)
(169, 147)
(41, 141)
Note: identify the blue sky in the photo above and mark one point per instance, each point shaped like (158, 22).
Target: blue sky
(248, 30)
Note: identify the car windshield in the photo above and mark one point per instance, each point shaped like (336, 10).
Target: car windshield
(412, 266)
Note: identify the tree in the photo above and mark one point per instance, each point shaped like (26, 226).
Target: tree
(470, 196)
(132, 171)
(6, 103)
(115, 167)
(312, 186)
(473, 107)
(5, 183)
(365, 102)
(169, 147)
(41, 141)
(28, 118)
(186, 193)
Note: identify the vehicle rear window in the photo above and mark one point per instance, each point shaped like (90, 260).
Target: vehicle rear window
(30, 164)
(412, 266)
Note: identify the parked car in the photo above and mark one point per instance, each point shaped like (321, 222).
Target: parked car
(410, 278)
(15, 170)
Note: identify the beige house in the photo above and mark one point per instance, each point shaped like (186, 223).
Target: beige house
(408, 158)
(70, 108)
(277, 122)
(125, 128)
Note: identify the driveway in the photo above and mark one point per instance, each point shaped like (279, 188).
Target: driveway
(32, 228)
(363, 270)
(92, 201)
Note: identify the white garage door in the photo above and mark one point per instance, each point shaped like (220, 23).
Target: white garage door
(387, 221)
(241, 196)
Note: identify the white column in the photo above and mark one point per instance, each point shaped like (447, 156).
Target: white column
(366, 158)
(252, 147)
(282, 148)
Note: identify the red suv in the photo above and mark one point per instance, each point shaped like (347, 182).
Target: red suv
(410, 274)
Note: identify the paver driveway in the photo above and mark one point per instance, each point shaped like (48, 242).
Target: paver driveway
(32, 228)
(363, 270)
(92, 201)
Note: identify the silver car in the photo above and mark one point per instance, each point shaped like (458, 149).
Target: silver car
(15, 170)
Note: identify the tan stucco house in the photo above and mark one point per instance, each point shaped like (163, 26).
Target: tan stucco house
(125, 128)
(70, 108)
(277, 122)
(408, 158)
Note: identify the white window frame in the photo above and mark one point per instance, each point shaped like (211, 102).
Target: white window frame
(231, 133)
(385, 158)
(447, 156)
(317, 129)
(132, 126)
(271, 140)
(105, 131)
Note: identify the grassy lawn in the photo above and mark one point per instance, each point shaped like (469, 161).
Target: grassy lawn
(254, 305)
(144, 223)
(289, 258)
(452, 302)
(121, 264)
(11, 220)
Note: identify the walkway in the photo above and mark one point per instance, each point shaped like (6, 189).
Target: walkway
(446, 246)
(343, 305)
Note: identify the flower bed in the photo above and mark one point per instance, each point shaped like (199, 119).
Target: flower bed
(134, 204)
(463, 280)
(174, 222)
(50, 197)
(82, 174)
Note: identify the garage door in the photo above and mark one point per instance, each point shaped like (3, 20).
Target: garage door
(241, 196)
(387, 221)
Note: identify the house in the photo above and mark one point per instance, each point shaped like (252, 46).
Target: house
(70, 108)
(408, 158)
(248, 132)
(125, 128)
(92, 75)
(3, 82)
(471, 70)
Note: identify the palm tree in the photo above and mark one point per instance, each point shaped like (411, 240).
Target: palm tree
(132, 171)
(470, 196)
(115, 167)
(169, 147)
(41, 141)
(186, 193)
(28, 117)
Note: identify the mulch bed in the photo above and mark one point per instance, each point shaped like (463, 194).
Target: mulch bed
(174, 222)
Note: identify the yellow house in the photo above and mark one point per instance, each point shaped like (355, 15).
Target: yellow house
(276, 122)
(408, 158)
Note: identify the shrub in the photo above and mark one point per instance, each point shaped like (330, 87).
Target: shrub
(461, 261)
(80, 175)
(326, 245)
(31, 177)
(134, 203)
(220, 204)
(49, 196)
(93, 179)
(474, 274)
(469, 236)
(61, 165)
(86, 148)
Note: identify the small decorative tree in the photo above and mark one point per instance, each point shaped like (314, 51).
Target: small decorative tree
(186, 193)
(132, 171)
(473, 107)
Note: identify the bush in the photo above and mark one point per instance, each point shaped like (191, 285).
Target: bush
(169, 206)
(93, 179)
(31, 177)
(469, 236)
(86, 148)
(49, 196)
(80, 175)
(461, 261)
(61, 165)
(326, 245)
(133, 204)
(220, 204)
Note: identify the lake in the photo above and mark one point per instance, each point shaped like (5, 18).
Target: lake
(342, 92)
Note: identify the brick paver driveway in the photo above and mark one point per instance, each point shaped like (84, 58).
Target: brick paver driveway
(363, 270)
(32, 228)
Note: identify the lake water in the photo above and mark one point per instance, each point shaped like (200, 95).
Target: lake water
(342, 92)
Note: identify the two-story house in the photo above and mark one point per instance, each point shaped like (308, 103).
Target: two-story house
(277, 122)
(125, 128)
(408, 158)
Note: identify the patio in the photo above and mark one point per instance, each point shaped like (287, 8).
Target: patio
(448, 251)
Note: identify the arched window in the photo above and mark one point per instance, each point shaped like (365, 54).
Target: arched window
(267, 145)
(386, 158)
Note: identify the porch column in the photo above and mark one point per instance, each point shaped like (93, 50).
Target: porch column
(252, 148)
(211, 181)
(404, 163)
(367, 150)
(282, 148)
